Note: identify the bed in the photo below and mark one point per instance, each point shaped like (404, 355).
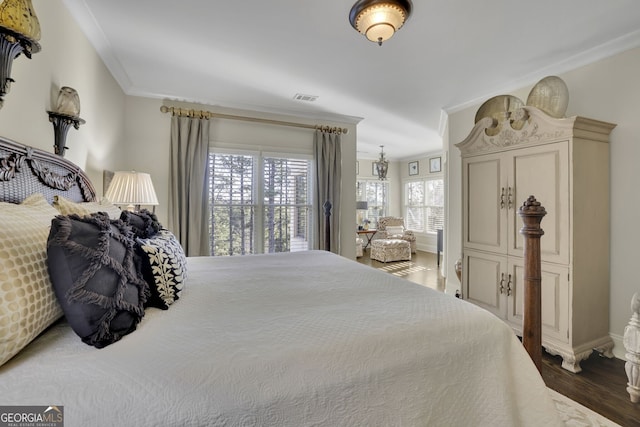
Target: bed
(295, 339)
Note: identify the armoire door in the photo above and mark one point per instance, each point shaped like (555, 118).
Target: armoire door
(485, 203)
(484, 281)
(541, 171)
(554, 302)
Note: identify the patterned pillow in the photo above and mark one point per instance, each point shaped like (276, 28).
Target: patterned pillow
(27, 302)
(94, 277)
(164, 267)
(67, 207)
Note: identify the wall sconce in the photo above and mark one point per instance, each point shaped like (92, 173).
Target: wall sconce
(132, 189)
(67, 113)
(19, 33)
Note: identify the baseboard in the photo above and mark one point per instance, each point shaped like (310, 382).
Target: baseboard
(618, 346)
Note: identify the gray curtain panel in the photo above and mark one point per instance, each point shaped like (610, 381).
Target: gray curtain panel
(188, 187)
(328, 180)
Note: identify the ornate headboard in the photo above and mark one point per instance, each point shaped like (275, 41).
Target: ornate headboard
(26, 170)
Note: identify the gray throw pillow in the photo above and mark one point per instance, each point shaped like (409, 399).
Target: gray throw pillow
(91, 266)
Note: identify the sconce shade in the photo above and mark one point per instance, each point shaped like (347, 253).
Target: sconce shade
(19, 33)
(362, 206)
(68, 102)
(378, 20)
(19, 16)
(131, 189)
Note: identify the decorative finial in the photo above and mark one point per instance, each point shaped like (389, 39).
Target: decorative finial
(532, 206)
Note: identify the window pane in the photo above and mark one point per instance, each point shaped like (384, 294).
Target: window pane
(415, 193)
(435, 218)
(424, 205)
(287, 204)
(231, 199)
(231, 178)
(286, 181)
(414, 220)
(414, 205)
(435, 192)
(435, 205)
(287, 228)
(232, 230)
(375, 194)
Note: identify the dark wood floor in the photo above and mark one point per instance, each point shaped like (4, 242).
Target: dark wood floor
(601, 386)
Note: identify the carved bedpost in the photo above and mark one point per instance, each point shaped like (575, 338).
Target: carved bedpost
(532, 213)
(327, 225)
(632, 345)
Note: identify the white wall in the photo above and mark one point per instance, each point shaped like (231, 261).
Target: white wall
(147, 148)
(606, 90)
(66, 59)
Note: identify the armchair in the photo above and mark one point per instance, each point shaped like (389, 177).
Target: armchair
(390, 227)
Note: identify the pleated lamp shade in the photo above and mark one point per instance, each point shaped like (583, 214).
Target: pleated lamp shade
(131, 189)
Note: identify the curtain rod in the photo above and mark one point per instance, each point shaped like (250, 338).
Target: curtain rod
(209, 114)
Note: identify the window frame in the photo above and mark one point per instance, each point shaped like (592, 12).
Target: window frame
(257, 192)
(424, 206)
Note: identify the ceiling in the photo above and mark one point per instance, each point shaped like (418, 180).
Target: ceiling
(258, 54)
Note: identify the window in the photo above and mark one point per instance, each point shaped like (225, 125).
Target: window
(375, 192)
(424, 205)
(259, 204)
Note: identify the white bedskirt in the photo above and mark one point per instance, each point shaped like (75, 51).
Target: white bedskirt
(301, 339)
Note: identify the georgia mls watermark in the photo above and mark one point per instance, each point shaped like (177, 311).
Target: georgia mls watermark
(32, 416)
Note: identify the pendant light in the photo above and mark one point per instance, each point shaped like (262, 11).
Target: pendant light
(382, 165)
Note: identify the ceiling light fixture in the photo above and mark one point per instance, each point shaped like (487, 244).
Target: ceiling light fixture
(382, 165)
(378, 20)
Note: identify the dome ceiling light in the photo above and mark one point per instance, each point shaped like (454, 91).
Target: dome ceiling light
(378, 20)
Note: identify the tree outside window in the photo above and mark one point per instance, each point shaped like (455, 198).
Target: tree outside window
(276, 200)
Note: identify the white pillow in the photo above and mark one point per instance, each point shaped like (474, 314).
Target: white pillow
(395, 230)
(27, 301)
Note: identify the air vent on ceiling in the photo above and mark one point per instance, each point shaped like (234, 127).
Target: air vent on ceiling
(307, 98)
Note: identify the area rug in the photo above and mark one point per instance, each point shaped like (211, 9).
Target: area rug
(575, 415)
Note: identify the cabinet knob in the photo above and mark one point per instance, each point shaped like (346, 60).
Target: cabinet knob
(501, 284)
(502, 198)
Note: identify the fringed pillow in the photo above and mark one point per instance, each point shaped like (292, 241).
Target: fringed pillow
(144, 224)
(164, 267)
(91, 264)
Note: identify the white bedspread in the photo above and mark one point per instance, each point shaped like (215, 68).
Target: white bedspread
(301, 339)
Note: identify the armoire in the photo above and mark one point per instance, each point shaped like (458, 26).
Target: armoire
(564, 163)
